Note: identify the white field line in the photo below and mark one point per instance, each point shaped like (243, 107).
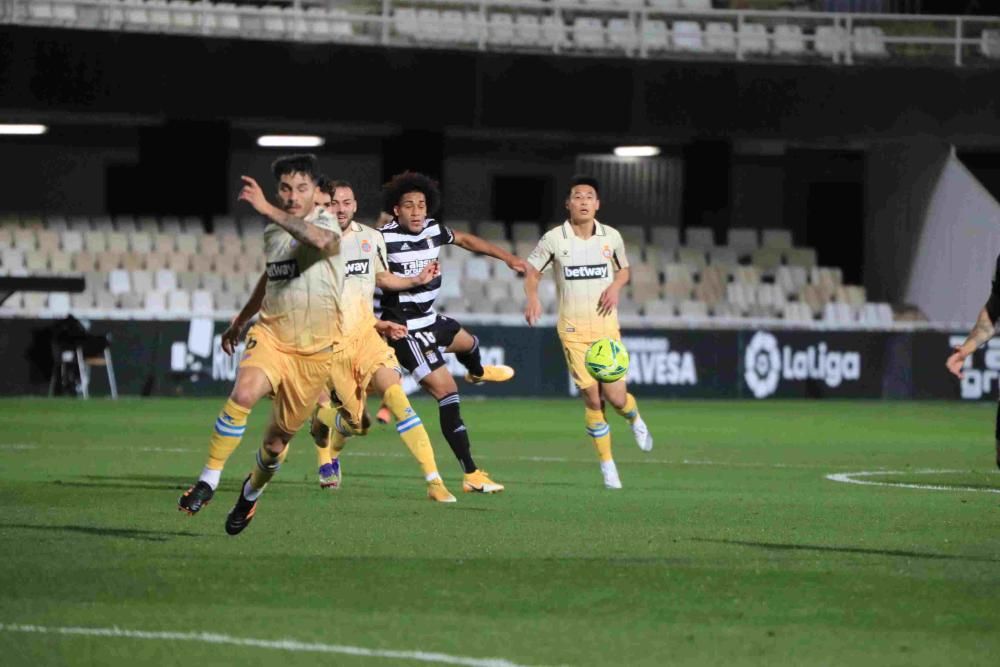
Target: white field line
(849, 478)
(291, 645)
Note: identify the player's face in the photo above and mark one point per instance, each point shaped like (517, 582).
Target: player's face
(412, 211)
(324, 201)
(344, 206)
(297, 193)
(582, 204)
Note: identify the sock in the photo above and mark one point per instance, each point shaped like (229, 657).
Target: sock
(321, 431)
(630, 411)
(599, 430)
(411, 430)
(471, 359)
(337, 442)
(229, 428)
(263, 471)
(454, 431)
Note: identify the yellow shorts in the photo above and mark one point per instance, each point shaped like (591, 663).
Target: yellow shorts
(296, 380)
(576, 353)
(353, 367)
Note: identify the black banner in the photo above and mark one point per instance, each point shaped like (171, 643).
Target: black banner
(185, 358)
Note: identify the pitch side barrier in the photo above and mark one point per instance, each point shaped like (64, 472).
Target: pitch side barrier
(185, 358)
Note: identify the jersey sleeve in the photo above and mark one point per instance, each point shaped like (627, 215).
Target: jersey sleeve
(993, 303)
(383, 262)
(542, 256)
(618, 256)
(447, 235)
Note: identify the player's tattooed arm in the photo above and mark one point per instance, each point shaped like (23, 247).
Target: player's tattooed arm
(608, 300)
(231, 336)
(305, 233)
(473, 243)
(983, 330)
(532, 304)
(393, 283)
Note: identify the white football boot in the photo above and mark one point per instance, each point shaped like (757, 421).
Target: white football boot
(642, 436)
(610, 472)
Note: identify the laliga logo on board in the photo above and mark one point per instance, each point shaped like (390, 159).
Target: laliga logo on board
(765, 364)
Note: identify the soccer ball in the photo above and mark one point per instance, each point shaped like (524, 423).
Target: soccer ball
(607, 360)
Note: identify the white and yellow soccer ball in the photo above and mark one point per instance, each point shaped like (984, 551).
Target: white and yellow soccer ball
(607, 360)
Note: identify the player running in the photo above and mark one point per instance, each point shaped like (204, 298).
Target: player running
(289, 351)
(985, 329)
(413, 240)
(591, 268)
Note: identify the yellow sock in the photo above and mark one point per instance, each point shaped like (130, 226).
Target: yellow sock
(229, 428)
(598, 429)
(337, 442)
(411, 430)
(267, 465)
(630, 410)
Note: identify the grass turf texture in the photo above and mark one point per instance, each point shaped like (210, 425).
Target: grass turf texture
(753, 559)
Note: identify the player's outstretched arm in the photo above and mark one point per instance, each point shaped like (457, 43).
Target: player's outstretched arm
(984, 329)
(231, 336)
(473, 243)
(608, 300)
(390, 281)
(308, 234)
(532, 305)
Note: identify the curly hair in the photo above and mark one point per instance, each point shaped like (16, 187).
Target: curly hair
(407, 182)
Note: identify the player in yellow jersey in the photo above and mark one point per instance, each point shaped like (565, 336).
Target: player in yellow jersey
(290, 350)
(590, 266)
(363, 359)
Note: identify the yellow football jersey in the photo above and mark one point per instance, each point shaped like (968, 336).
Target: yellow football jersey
(301, 307)
(363, 251)
(583, 269)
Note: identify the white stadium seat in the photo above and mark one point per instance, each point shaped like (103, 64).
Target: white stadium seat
(699, 237)
(588, 33)
(741, 238)
(527, 29)
(501, 28)
(553, 31)
(830, 40)
(655, 35)
(789, 39)
(720, 37)
(622, 34)
(687, 36)
(753, 38)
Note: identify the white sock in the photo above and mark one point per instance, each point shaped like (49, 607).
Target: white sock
(210, 477)
(432, 476)
(251, 493)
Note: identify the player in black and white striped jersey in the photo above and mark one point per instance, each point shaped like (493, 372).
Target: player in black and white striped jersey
(413, 240)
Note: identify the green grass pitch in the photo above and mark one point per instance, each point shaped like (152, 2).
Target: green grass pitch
(727, 546)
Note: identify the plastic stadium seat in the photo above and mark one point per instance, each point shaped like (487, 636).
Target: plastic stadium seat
(119, 282)
(742, 238)
(658, 257)
(870, 41)
(452, 25)
(771, 296)
(665, 4)
(527, 29)
(142, 281)
(187, 243)
(740, 295)
(202, 302)
(660, 309)
(179, 302)
(501, 28)
(478, 268)
(36, 262)
(753, 38)
(182, 14)
(655, 35)
(699, 237)
(159, 15)
(164, 242)
(202, 263)
(47, 240)
(82, 301)
(687, 36)
(108, 260)
(56, 223)
(776, 238)
(715, 274)
(720, 37)
(491, 230)
(678, 273)
(853, 295)
(633, 235)
(710, 293)
(696, 5)
(838, 313)
(209, 245)
(789, 39)
(588, 33)
(41, 11)
(622, 34)
(165, 280)
(693, 257)
(830, 40)
(155, 303)
(553, 31)
(791, 279)
(95, 241)
(676, 292)
(666, 237)
(525, 231)
(746, 275)
(60, 262)
(800, 257)
(989, 43)
(83, 261)
(693, 310)
(724, 256)
(429, 24)
(766, 259)
(140, 242)
(117, 242)
(796, 312)
(814, 297)
(25, 239)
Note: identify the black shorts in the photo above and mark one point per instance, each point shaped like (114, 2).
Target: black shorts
(421, 352)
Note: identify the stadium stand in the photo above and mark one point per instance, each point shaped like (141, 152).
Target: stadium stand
(154, 270)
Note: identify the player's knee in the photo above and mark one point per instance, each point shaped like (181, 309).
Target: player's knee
(245, 397)
(275, 445)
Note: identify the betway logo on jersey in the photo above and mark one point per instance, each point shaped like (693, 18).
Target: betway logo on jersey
(652, 362)
(585, 272)
(765, 364)
(357, 267)
(285, 270)
(979, 383)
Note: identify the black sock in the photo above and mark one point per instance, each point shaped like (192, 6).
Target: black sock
(471, 359)
(454, 431)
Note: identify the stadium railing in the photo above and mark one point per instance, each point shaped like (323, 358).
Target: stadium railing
(629, 28)
(169, 268)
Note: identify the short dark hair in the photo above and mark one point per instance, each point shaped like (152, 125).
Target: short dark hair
(582, 179)
(323, 184)
(340, 184)
(410, 181)
(303, 163)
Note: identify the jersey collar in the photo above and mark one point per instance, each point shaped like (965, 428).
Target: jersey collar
(569, 233)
